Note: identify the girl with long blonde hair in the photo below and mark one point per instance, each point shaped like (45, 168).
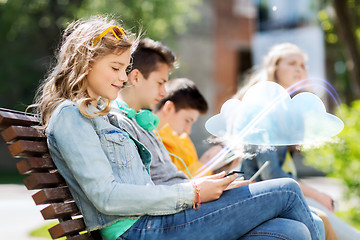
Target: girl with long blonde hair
(285, 64)
(75, 58)
(283, 54)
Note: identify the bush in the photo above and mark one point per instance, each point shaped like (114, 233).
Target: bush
(341, 158)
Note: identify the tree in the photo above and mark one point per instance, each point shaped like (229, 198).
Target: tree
(30, 31)
(341, 158)
(345, 24)
(341, 18)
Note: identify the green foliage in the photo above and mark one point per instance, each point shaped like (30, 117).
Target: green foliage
(337, 71)
(341, 159)
(351, 216)
(327, 19)
(11, 177)
(159, 19)
(30, 32)
(42, 232)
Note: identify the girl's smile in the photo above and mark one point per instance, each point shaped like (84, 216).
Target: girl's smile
(107, 76)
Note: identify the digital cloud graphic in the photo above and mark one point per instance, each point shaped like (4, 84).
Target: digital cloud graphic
(267, 115)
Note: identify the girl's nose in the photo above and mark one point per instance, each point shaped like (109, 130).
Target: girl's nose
(300, 68)
(123, 77)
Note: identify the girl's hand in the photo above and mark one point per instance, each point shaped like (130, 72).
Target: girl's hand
(321, 197)
(325, 200)
(211, 187)
(239, 183)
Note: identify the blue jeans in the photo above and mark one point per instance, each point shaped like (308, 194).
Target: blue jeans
(273, 209)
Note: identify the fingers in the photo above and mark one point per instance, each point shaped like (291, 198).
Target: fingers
(331, 205)
(238, 183)
(327, 201)
(225, 181)
(217, 176)
(221, 180)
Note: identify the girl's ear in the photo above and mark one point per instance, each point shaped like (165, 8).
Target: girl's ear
(133, 77)
(168, 107)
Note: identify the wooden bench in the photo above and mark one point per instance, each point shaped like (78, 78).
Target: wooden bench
(27, 143)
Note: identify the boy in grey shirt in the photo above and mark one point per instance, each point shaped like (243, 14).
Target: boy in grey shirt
(151, 65)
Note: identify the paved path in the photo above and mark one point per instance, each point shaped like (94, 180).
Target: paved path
(19, 215)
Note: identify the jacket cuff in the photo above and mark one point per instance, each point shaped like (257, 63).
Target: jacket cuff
(185, 195)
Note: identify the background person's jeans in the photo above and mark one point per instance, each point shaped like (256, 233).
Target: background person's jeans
(273, 209)
(343, 230)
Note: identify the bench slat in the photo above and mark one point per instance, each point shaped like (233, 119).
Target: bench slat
(32, 164)
(85, 236)
(8, 118)
(67, 227)
(52, 195)
(25, 148)
(43, 180)
(25, 140)
(20, 132)
(60, 210)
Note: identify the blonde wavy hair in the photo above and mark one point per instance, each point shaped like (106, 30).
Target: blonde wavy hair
(267, 72)
(74, 60)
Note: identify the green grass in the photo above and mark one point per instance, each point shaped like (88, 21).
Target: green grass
(351, 217)
(9, 177)
(43, 230)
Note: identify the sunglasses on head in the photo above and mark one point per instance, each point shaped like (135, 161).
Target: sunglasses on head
(118, 32)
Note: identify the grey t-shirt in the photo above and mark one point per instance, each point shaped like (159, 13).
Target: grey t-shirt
(162, 170)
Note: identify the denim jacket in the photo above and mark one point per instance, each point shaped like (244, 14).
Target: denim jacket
(162, 170)
(106, 172)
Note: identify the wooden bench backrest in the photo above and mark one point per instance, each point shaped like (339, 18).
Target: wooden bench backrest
(27, 143)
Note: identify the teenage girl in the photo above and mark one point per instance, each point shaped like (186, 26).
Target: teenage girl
(107, 171)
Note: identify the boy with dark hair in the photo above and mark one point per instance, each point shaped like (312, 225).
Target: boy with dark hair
(151, 65)
(149, 54)
(177, 112)
(185, 95)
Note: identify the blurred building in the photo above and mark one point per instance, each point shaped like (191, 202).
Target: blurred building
(246, 29)
(232, 37)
